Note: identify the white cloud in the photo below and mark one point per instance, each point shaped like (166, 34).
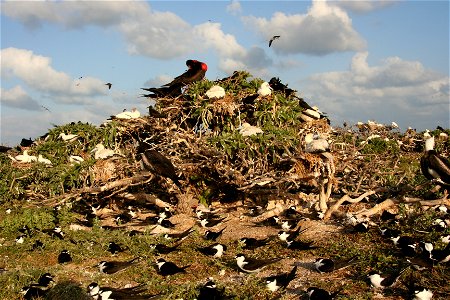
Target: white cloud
(36, 71)
(322, 30)
(395, 90)
(366, 6)
(18, 98)
(234, 7)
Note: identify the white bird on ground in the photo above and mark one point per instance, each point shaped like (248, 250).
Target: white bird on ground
(101, 152)
(215, 92)
(133, 114)
(44, 160)
(25, 158)
(75, 159)
(68, 137)
(247, 130)
(316, 144)
(264, 89)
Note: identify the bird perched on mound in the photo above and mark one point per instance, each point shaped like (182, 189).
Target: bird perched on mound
(196, 71)
(155, 162)
(433, 165)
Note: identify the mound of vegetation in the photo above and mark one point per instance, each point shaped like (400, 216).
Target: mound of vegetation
(368, 168)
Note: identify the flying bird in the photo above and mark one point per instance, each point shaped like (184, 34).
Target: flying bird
(275, 37)
(109, 84)
(433, 165)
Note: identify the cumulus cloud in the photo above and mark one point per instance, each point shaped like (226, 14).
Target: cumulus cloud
(36, 72)
(18, 98)
(395, 90)
(324, 29)
(363, 6)
(234, 7)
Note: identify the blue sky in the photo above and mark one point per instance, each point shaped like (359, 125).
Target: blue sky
(356, 60)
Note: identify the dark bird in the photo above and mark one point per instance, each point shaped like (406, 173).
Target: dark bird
(211, 222)
(178, 236)
(111, 267)
(209, 291)
(290, 235)
(115, 248)
(64, 257)
(385, 280)
(406, 244)
(4, 149)
(299, 245)
(55, 232)
(436, 255)
(26, 142)
(434, 166)
(33, 292)
(277, 86)
(213, 235)
(166, 268)
(164, 249)
(252, 243)
(45, 280)
(196, 71)
(274, 283)
(109, 84)
(165, 223)
(273, 221)
(315, 293)
(251, 265)
(273, 39)
(214, 250)
(326, 265)
(155, 162)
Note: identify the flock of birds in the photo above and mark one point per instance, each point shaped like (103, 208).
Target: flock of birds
(419, 255)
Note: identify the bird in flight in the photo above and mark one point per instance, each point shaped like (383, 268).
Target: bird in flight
(109, 84)
(273, 39)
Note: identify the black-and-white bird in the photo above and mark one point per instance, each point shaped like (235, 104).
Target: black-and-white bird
(382, 281)
(406, 244)
(55, 232)
(280, 281)
(33, 292)
(211, 222)
(433, 165)
(252, 243)
(164, 249)
(213, 235)
(290, 235)
(115, 248)
(436, 255)
(300, 245)
(326, 265)
(166, 268)
(64, 257)
(109, 293)
(315, 293)
(273, 221)
(209, 291)
(273, 39)
(111, 267)
(179, 236)
(214, 250)
(45, 280)
(251, 265)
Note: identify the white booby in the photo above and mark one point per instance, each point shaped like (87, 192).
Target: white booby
(316, 144)
(215, 92)
(264, 89)
(25, 158)
(44, 160)
(68, 137)
(75, 159)
(133, 114)
(248, 130)
(433, 165)
(101, 152)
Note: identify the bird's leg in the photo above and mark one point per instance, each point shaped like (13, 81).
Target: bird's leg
(322, 196)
